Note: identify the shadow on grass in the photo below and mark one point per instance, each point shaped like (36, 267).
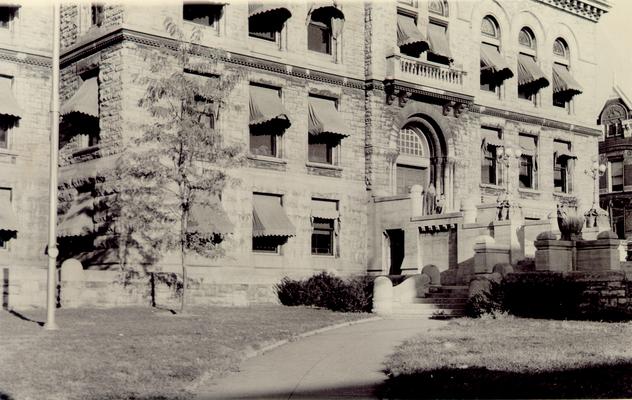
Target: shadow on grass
(597, 381)
(4, 396)
(24, 318)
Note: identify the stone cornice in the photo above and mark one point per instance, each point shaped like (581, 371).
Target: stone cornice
(24, 58)
(120, 35)
(589, 9)
(530, 119)
(442, 95)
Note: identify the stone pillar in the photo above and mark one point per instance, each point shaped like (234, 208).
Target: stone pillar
(469, 211)
(599, 255)
(488, 253)
(416, 201)
(552, 254)
(382, 295)
(412, 258)
(506, 233)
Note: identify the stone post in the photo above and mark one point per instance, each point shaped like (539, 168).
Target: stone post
(508, 231)
(382, 295)
(552, 254)
(488, 253)
(599, 255)
(468, 208)
(411, 264)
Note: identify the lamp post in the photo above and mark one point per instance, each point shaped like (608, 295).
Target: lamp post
(504, 156)
(51, 292)
(595, 171)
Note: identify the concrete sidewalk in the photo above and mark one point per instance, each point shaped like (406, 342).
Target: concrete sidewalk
(340, 363)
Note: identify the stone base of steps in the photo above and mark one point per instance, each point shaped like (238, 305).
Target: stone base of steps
(440, 302)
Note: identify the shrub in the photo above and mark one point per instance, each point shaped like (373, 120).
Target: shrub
(328, 291)
(487, 301)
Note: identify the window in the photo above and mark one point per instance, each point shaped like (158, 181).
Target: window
(321, 150)
(438, 7)
(530, 77)
(268, 121)
(202, 109)
(81, 112)
(4, 133)
(266, 21)
(528, 166)
(324, 217)
(412, 162)
(97, 14)
(410, 40)
(319, 35)
(323, 236)
(270, 225)
(7, 15)
(494, 69)
(491, 141)
(325, 130)
(439, 50)
(202, 13)
(616, 175)
(561, 166)
(565, 87)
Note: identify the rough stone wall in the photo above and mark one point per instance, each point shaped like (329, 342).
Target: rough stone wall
(76, 27)
(24, 165)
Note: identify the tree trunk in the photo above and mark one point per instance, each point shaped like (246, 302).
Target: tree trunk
(182, 260)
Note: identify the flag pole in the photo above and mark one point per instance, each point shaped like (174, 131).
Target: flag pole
(51, 292)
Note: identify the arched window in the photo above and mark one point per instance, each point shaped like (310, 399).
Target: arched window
(494, 68)
(413, 161)
(530, 77)
(439, 7)
(439, 51)
(489, 27)
(324, 28)
(565, 87)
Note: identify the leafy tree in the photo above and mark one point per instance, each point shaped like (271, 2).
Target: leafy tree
(179, 160)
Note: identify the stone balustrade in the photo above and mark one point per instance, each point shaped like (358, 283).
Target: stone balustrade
(409, 69)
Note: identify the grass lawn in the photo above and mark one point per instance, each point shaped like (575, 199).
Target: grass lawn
(138, 353)
(514, 358)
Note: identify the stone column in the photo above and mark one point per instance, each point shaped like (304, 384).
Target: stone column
(411, 264)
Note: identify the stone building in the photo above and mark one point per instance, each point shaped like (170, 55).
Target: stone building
(25, 69)
(409, 129)
(615, 153)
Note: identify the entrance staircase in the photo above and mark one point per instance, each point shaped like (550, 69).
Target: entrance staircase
(439, 302)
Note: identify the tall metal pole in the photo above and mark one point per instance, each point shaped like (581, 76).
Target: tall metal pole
(51, 293)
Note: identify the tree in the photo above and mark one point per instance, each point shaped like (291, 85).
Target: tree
(179, 161)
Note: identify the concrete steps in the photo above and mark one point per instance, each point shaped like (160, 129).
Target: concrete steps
(440, 302)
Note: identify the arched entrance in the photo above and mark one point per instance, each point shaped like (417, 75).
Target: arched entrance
(421, 159)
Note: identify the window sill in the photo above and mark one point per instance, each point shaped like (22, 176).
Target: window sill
(324, 169)
(491, 186)
(563, 194)
(266, 162)
(530, 193)
(8, 156)
(330, 256)
(85, 151)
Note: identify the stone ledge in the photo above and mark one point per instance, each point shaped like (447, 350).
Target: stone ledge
(333, 171)
(264, 162)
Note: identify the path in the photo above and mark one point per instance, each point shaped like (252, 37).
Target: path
(340, 363)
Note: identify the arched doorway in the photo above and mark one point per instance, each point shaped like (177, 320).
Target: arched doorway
(421, 158)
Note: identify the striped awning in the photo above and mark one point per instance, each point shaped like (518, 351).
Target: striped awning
(562, 151)
(530, 74)
(528, 145)
(8, 218)
(266, 106)
(85, 100)
(409, 35)
(492, 62)
(325, 209)
(269, 218)
(439, 44)
(208, 217)
(563, 81)
(324, 119)
(77, 221)
(276, 13)
(490, 138)
(8, 104)
(80, 173)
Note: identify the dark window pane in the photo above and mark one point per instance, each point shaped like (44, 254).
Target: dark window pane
(263, 144)
(488, 170)
(559, 101)
(203, 14)
(323, 236)
(526, 172)
(319, 38)
(321, 151)
(265, 244)
(4, 136)
(6, 15)
(97, 14)
(559, 178)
